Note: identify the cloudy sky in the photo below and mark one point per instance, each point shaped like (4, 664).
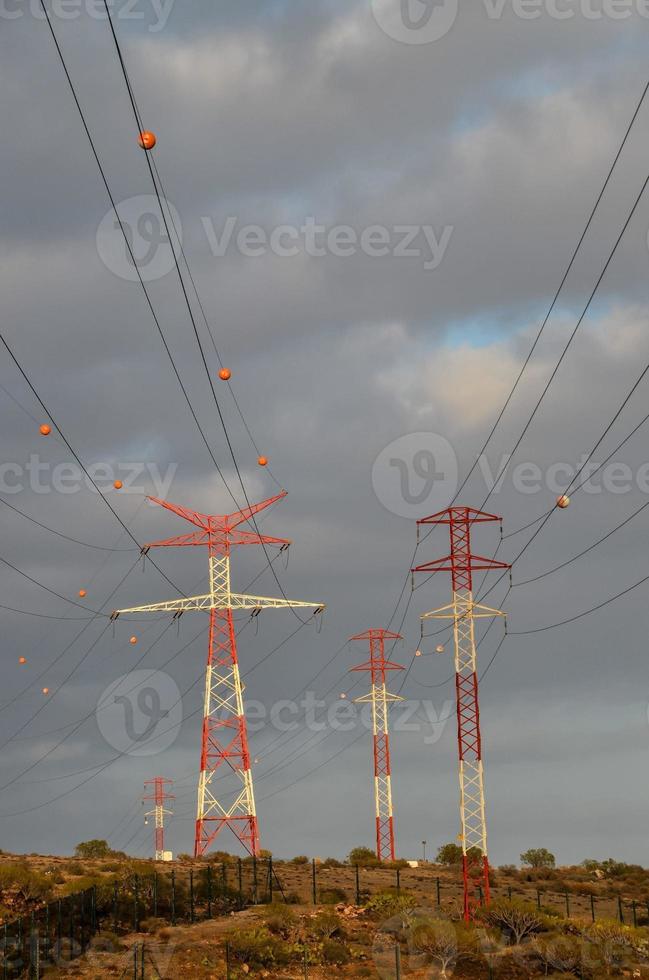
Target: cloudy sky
(378, 203)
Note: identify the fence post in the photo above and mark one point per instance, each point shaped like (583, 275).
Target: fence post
(358, 886)
(135, 959)
(538, 899)
(439, 894)
(635, 913)
(155, 894)
(4, 953)
(620, 909)
(142, 964)
(314, 883)
(224, 876)
(136, 914)
(71, 929)
(173, 898)
(191, 894)
(227, 960)
(93, 909)
(398, 879)
(46, 937)
(567, 905)
(509, 892)
(240, 884)
(592, 907)
(254, 881)
(82, 920)
(59, 929)
(397, 961)
(115, 907)
(270, 879)
(209, 891)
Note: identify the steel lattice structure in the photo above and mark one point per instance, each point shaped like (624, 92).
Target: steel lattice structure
(380, 699)
(461, 563)
(224, 733)
(159, 797)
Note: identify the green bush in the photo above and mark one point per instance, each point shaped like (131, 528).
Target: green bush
(364, 857)
(301, 859)
(335, 953)
(258, 947)
(332, 896)
(93, 849)
(325, 925)
(280, 920)
(388, 903)
(332, 863)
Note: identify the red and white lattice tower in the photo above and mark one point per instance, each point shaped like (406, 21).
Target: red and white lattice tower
(462, 563)
(225, 736)
(159, 797)
(380, 699)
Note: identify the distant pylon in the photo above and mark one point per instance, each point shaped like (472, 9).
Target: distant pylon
(160, 797)
(380, 698)
(225, 735)
(461, 563)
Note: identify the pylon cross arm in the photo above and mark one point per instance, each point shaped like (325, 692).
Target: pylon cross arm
(173, 605)
(239, 601)
(473, 609)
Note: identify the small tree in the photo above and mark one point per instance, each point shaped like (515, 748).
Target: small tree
(441, 941)
(363, 856)
(92, 849)
(538, 857)
(519, 919)
(562, 954)
(452, 854)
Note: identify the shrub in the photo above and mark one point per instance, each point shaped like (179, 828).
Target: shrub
(442, 941)
(560, 954)
(386, 904)
(152, 925)
(332, 863)
(301, 859)
(325, 925)
(335, 953)
(332, 896)
(280, 920)
(258, 947)
(518, 919)
(364, 857)
(19, 879)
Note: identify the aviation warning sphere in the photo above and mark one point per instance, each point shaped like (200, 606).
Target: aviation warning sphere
(225, 374)
(118, 484)
(262, 461)
(439, 648)
(563, 501)
(22, 660)
(147, 140)
(133, 640)
(82, 593)
(417, 653)
(45, 430)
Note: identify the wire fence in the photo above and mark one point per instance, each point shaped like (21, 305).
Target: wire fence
(62, 930)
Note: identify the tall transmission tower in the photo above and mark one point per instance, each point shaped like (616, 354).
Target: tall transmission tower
(461, 563)
(159, 797)
(380, 699)
(224, 734)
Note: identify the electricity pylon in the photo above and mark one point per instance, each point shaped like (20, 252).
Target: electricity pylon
(225, 736)
(461, 563)
(160, 797)
(380, 699)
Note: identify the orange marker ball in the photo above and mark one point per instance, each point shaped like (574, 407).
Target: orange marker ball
(417, 653)
(118, 484)
(439, 649)
(45, 430)
(147, 140)
(563, 501)
(82, 593)
(22, 660)
(46, 690)
(133, 640)
(262, 461)
(225, 374)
